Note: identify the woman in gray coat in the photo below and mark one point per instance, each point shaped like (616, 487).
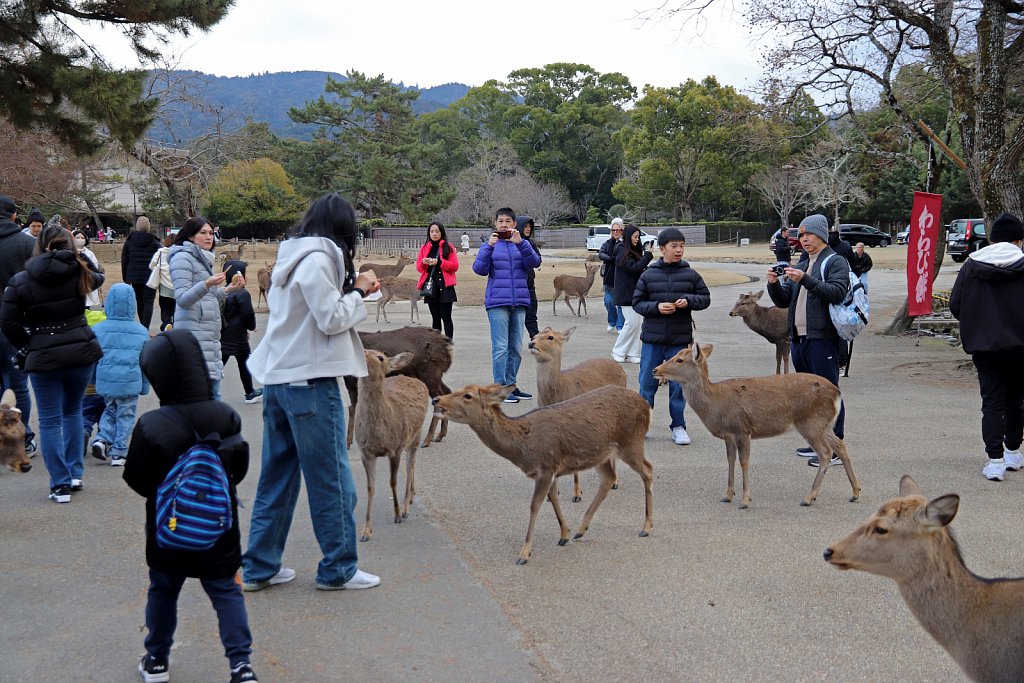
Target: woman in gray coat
(199, 292)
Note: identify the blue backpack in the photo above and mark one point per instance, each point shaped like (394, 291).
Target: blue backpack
(851, 315)
(193, 504)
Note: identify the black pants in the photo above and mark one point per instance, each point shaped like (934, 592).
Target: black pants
(243, 369)
(821, 357)
(167, 305)
(1001, 376)
(531, 314)
(441, 313)
(144, 297)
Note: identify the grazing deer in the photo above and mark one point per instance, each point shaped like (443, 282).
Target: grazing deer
(579, 434)
(12, 435)
(771, 322)
(397, 288)
(573, 285)
(382, 270)
(738, 410)
(555, 385)
(263, 280)
(389, 419)
(980, 622)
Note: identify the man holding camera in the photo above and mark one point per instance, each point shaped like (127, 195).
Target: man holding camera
(505, 259)
(807, 292)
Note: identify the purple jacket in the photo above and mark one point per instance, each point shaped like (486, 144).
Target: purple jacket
(505, 266)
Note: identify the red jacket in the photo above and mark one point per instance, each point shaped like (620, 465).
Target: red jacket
(448, 265)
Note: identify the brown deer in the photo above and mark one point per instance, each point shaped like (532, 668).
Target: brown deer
(263, 280)
(574, 285)
(12, 435)
(980, 622)
(738, 410)
(579, 434)
(232, 254)
(555, 385)
(394, 289)
(389, 419)
(382, 270)
(771, 322)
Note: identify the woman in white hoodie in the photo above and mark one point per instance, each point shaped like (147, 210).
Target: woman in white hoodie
(309, 345)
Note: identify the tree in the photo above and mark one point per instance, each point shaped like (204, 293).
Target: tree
(52, 79)
(780, 188)
(826, 179)
(252, 193)
(37, 169)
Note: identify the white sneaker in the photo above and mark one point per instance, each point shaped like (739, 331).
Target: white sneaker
(1013, 460)
(358, 581)
(633, 359)
(284, 575)
(618, 359)
(611, 328)
(680, 436)
(995, 470)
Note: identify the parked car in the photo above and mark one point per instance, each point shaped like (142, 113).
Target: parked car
(793, 237)
(966, 235)
(599, 234)
(903, 236)
(871, 237)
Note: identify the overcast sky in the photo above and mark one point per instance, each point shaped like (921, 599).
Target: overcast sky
(466, 41)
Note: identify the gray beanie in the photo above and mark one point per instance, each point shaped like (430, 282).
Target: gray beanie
(816, 224)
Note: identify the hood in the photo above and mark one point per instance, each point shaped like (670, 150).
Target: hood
(193, 250)
(660, 263)
(8, 227)
(120, 302)
(292, 251)
(998, 262)
(53, 267)
(173, 363)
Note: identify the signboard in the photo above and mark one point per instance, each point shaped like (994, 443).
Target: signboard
(921, 242)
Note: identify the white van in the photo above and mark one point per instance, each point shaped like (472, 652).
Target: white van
(599, 234)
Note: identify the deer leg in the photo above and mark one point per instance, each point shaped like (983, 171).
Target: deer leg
(444, 430)
(351, 431)
(778, 359)
(634, 457)
(410, 480)
(430, 432)
(370, 465)
(555, 301)
(569, 305)
(395, 461)
(607, 472)
(563, 536)
(822, 449)
(542, 485)
(577, 489)
(583, 303)
(730, 456)
(615, 486)
(744, 448)
(839, 446)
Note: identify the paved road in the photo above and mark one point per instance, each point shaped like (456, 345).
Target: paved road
(714, 593)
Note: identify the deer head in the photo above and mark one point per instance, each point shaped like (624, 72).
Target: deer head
(472, 402)
(379, 365)
(547, 344)
(12, 435)
(688, 363)
(746, 304)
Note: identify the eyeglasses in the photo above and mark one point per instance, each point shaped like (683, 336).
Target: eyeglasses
(616, 229)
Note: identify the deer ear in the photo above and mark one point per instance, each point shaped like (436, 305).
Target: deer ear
(496, 393)
(758, 295)
(399, 361)
(706, 350)
(909, 487)
(568, 332)
(940, 511)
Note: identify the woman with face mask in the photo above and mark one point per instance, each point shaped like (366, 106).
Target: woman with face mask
(93, 299)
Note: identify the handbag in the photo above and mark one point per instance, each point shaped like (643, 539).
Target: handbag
(154, 275)
(429, 287)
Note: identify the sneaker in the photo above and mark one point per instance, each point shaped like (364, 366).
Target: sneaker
(814, 462)
(633, 359)
(243, 674)
(283, 575)
(1013, 460)
(521, 395)
(618, 359)
(358, 581)
(512, 398)
(76, 485)
(154, 670)
(255, 396)
(680, 436)
(995, 470)
(99, 450)
(611, 328)
(61, 494)
(117, 460)
(30, 446)
(805, 452)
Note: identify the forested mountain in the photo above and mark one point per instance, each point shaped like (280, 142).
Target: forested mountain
(266, 97)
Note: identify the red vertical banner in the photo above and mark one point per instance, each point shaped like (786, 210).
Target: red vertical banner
(922, 240)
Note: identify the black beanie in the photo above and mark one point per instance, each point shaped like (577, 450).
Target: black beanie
(1006, 228)
(35, 216)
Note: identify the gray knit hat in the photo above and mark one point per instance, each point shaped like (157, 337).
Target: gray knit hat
(816, 224)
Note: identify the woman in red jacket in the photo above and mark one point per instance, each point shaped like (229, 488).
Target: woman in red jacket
(437, 263)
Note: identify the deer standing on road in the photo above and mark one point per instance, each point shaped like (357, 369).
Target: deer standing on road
(574, 285)
(382, 270)
(263, 280)
(398, 288)
(771, 322)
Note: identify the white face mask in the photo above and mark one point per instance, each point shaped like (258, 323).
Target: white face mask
(79, 243)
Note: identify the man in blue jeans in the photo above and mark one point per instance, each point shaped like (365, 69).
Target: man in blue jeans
(15, 248)
(665, 295)
(504, 259)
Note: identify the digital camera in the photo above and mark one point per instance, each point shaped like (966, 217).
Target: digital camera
(780, 270)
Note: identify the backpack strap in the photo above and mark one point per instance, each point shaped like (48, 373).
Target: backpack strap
(214, 438)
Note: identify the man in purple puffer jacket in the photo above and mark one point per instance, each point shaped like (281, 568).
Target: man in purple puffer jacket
(504, 259)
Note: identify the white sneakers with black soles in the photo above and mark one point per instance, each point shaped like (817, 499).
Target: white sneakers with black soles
(359, 581)
(283, 575)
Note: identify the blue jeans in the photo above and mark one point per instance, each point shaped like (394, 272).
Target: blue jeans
(117, 422)
(304, 437)
(15, 380)
(225, 596)
(59, 402)
(215, 389)
(651, 356)
(507, 324)
(615, 318)
(820, 357)
(92, 410)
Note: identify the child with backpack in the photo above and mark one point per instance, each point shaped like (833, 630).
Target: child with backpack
(119, 378)
(188, 426)
(238, 319)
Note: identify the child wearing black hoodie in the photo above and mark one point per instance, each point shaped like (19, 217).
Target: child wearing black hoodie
(238, 319)
(173, 362)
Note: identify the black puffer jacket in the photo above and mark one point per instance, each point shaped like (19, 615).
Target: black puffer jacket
(136, 254)
(664, 282)
(15, 250)
(821, 291)
(44, 312)
(628, 270)
(174, 364)
(986, 300)
(239, 319)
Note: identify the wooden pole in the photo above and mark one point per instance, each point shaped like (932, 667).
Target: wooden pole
(942, 145)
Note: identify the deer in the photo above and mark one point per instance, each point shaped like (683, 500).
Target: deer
(977, 621)
(382, 270)
(232, 254)
(574, 285)
(585, 432)
(263, 280)
(770, 322)
(394, 288)
(738, 410)
(555, 385)
(389, 418)
(12, 435)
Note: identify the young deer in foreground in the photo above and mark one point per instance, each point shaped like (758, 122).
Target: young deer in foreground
(980, 622)
(574, 285)
(12, 435)
(738, 410)
(389, 420)
(382, 270)
(581, 433)
(770, 322)
(394, 289)
(555, 385)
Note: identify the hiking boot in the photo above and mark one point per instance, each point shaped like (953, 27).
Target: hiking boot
(61, 494)
(512, 398)
(995, 470)
(254, 396)
(243, 674)
(1013, 459)
(283, 575)
(522, 395)
(99, 450)
(814, 462)
(154, 670)
(359, 581)
(805, 452)
(117, 460)
(76, 485)
(680, 436)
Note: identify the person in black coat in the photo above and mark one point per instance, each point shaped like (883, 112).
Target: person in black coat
(607, 256)
(782, 248)
(631, 260)
(173, 362)
(524, 224)
(860, 264)
(136, 254)
(237, 321)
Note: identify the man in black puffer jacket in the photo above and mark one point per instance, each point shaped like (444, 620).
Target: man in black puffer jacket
(665, 295)
(136, 254)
